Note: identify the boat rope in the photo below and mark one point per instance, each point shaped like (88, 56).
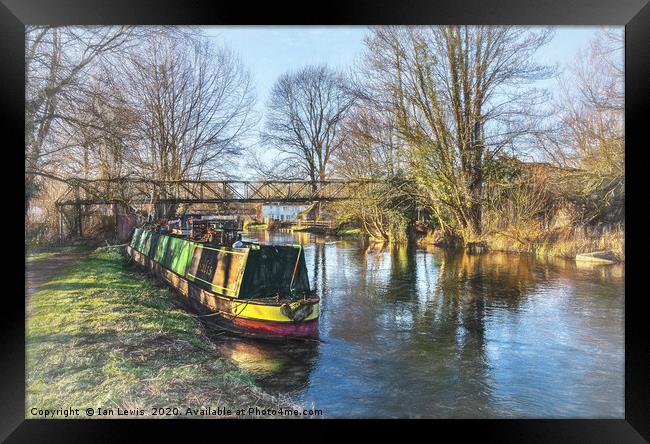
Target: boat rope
(208, 315)
(295, 269)
(223, 313)
(240, 311)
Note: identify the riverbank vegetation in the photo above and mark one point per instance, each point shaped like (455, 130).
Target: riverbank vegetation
(101, 335)
(466, 147)
(451, 119)
(107, 102)
(250, 224)
(457, 126)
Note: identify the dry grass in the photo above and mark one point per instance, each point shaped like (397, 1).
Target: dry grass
(560, 242)
(564, 242)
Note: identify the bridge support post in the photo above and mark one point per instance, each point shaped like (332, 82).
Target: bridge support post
(78, 208)
(60, 214)
(78, 211)
(116, 230)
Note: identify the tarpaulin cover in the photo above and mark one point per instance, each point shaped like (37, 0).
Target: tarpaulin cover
(269, 269)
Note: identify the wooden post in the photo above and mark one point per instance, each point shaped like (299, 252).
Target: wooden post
(78, 210)
(116, 231)
(60, 224)
(79, 220)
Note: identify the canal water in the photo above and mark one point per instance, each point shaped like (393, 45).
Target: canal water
(433, 334)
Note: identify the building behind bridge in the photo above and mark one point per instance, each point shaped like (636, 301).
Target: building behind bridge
(282, 212)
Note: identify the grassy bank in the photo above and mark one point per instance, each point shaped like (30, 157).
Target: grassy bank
(254, 226)
(101, 335)
(349, 232)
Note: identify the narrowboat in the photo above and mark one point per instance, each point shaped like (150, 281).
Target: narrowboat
(262, 290)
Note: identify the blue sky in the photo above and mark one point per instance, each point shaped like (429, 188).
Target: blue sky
(268, 51)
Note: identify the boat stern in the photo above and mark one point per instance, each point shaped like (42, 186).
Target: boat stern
(288, 319)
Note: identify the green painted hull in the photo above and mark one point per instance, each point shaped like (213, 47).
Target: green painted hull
(262, 271)
(170, 252)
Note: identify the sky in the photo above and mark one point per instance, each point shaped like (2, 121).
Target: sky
(269, 51)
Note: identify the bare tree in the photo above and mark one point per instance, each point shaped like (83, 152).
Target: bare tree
(303, 123)
(194, 103)
(57, 64)
(591, 134)
(151, 102)
(103, 129)
(459, 96)
(371, 148)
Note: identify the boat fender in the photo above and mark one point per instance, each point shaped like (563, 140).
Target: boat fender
(297, 311)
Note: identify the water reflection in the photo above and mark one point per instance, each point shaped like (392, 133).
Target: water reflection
(430, 333)
(280, 366)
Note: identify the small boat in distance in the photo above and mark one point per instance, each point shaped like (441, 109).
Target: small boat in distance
(261, 290)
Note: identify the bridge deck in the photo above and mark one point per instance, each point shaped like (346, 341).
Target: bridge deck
(140, 191)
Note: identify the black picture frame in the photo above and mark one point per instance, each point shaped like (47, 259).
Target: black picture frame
(634, 14)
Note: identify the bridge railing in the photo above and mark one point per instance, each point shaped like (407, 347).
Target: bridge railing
(141, 191)
(314, 223)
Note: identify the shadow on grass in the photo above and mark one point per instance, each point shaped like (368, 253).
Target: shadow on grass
(79, 338)
(87, 286)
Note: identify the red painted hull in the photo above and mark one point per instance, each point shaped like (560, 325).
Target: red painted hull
(307, 329)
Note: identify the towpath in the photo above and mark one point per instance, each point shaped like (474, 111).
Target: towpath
(39, 272)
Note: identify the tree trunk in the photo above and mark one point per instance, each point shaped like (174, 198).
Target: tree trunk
(476, 185)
